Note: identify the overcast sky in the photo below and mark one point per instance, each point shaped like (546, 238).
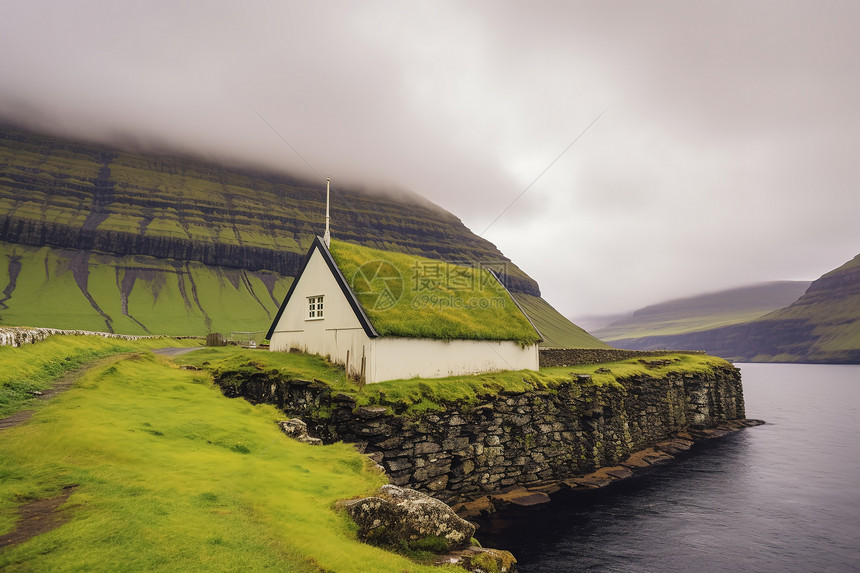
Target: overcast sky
(718, 142)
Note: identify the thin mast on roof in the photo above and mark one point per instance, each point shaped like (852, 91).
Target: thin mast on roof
(327, 235)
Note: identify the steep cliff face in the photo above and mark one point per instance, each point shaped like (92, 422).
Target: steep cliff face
(87, 197)
(821, 326)
(115, 219)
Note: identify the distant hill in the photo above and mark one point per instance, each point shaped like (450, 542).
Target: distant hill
(704, 312)
(594, 322)
(99, 238)
(823, 325)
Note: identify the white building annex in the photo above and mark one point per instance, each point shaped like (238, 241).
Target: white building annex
(321, 314)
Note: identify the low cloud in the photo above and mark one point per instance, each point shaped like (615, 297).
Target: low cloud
(726, 155)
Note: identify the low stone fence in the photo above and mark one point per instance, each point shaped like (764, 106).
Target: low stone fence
(20, 335)
(573, 356)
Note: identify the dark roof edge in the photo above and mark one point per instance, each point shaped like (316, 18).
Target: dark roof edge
(522, 310)
(347, 290)
(341, 281)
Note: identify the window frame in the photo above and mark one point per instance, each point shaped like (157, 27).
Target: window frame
(315, 309)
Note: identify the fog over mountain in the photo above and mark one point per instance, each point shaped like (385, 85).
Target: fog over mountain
(651, 150)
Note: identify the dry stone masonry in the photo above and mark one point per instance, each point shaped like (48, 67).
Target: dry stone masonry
(550, 357)
(20, 335)
(467, 451)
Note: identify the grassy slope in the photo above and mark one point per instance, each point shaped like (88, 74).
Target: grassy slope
(172, 476)
(557, 331)
(46, 294)
(34, 367)
(705, 312)
(456, 302)
(832, 304)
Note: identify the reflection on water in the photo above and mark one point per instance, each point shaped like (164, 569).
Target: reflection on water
(779, 497)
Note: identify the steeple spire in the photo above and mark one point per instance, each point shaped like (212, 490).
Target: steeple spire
(327, 235)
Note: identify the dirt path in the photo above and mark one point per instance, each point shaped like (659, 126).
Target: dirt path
(61, 384)
(66, 381)
(172, 351)
(37, 517)
(42, 515)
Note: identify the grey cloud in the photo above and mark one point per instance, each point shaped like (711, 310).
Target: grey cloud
(727, 154)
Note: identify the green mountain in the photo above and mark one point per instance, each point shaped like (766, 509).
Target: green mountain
(823, 325)
(100, 238)
(704, 312)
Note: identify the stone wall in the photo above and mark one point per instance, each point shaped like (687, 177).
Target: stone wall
(20, 335)
(572, 356)
(507, 440)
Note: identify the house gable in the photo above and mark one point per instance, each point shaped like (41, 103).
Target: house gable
(319, 248)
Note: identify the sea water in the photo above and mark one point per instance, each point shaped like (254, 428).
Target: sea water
(780, 497)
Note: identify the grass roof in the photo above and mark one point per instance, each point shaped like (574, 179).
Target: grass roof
(412, 296)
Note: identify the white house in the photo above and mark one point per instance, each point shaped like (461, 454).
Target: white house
(357, 308)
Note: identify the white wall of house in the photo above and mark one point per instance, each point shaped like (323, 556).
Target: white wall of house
(339, 336)
(393, 358)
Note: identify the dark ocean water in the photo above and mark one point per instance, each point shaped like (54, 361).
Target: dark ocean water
(780, 497)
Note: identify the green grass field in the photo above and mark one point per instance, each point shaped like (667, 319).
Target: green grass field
(159, 297)
(169, 475)
(34, 367)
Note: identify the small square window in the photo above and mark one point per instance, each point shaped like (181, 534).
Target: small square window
(315, 307)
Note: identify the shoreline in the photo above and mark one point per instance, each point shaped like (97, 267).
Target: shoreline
(539, 493)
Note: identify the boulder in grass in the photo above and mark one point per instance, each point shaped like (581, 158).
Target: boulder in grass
(397, 517)
(298, 430)
(481, 560)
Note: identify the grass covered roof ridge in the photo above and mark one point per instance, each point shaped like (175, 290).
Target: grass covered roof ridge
(412, 296)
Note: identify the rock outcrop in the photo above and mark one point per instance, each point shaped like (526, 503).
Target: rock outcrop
(298, 430)
(481, 560)
(396, 516)
(404, 519)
